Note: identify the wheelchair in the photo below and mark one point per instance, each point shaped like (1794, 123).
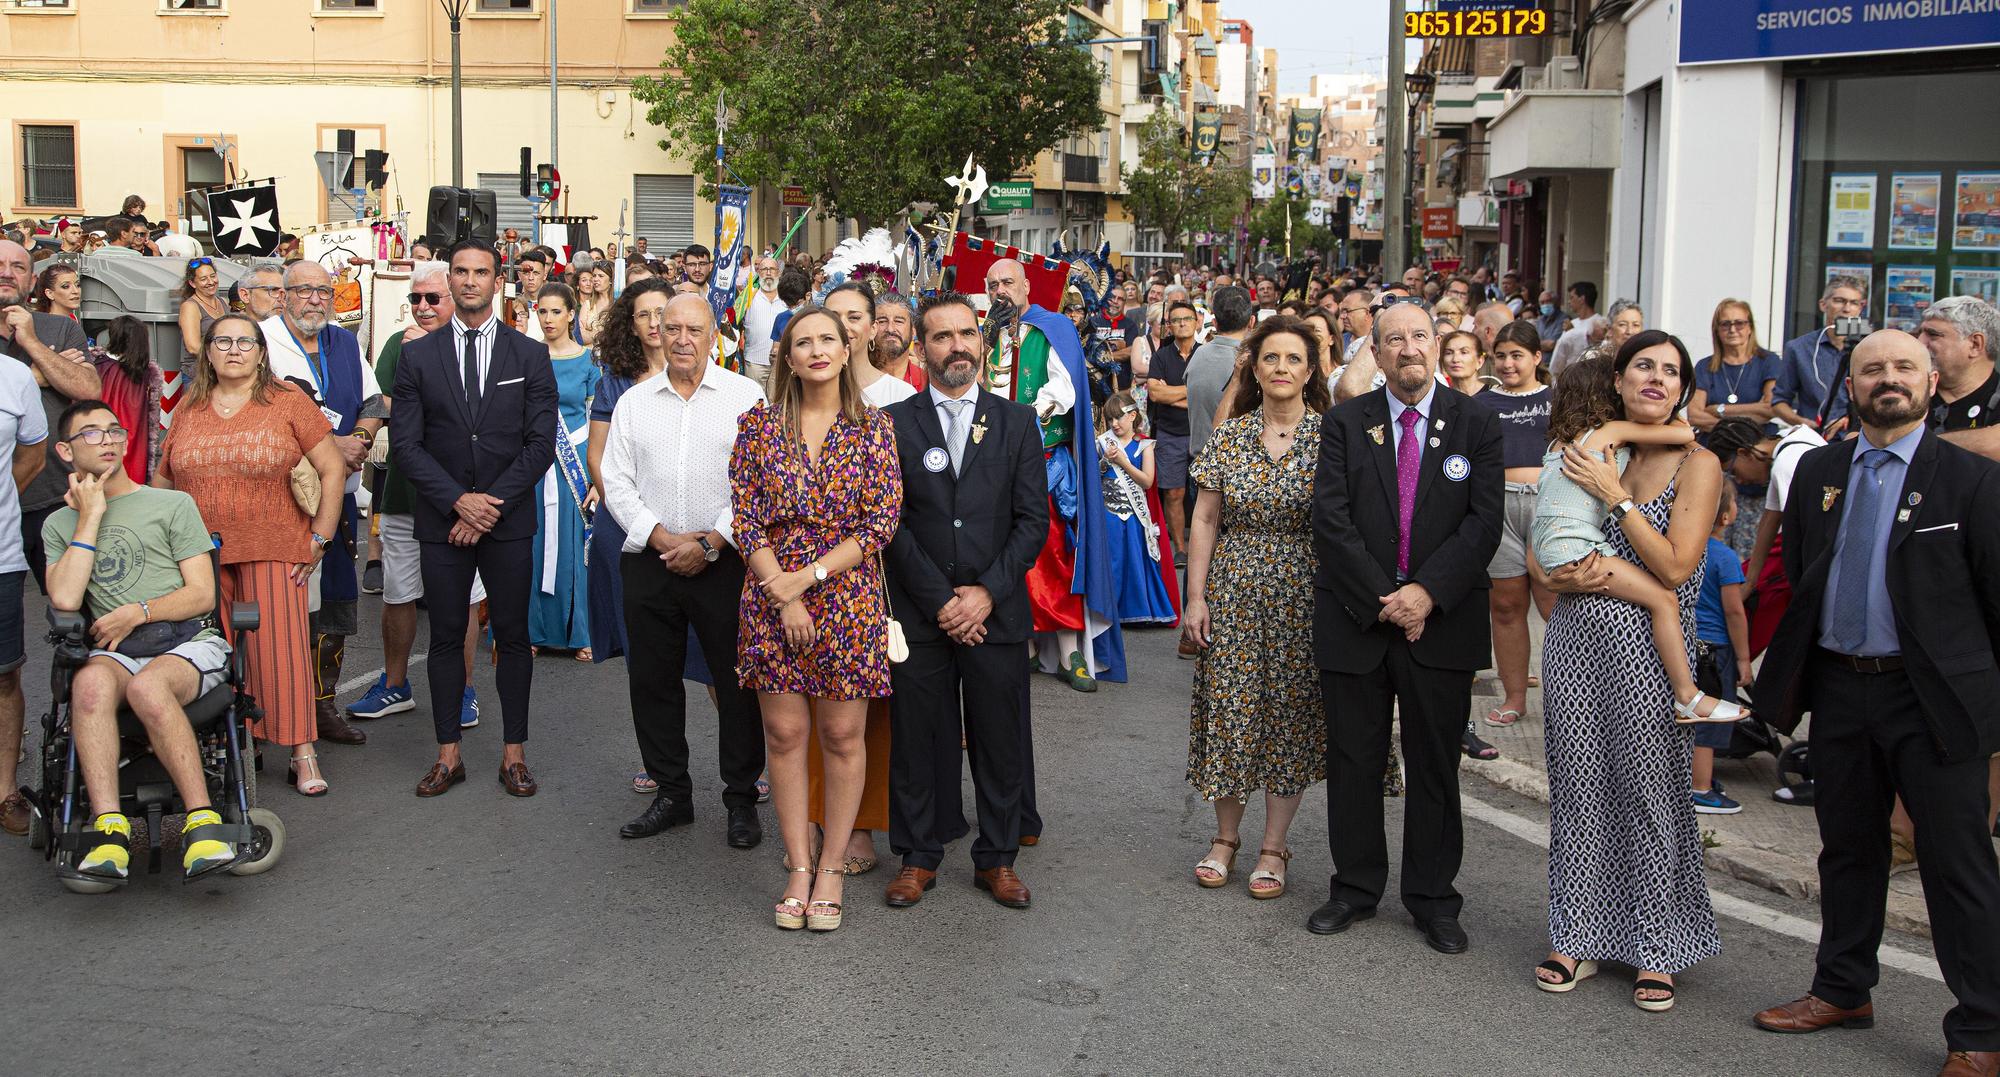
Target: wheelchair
(146, 794)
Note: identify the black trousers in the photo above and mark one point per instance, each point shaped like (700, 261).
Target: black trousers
(941, 689)
(659, 607)
(507, 567)
(1359, 707)
(1870, 742)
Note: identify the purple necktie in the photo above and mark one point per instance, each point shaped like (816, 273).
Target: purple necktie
(1408, 452)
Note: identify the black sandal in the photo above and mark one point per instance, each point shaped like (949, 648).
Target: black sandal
(1474, 748)
(1571, 975)
(1653, 1005)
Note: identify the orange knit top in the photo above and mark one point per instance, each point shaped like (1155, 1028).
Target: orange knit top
(238, 470)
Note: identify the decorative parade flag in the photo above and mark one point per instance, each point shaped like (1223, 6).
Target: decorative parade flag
(971, 256)
(732, 205)
(244, 220)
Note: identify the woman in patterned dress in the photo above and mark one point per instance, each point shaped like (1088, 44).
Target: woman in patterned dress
(1625, 869)
(816, 494)
(1256, 719)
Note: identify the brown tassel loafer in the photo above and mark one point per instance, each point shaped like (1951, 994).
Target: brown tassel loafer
(517, 780)
(438, 779)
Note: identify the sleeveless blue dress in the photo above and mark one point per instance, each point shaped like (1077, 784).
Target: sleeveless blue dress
(1142, 591)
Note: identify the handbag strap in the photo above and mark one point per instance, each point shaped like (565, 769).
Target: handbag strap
(882, 584)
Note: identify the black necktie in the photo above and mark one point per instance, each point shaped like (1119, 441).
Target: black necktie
(469, 341)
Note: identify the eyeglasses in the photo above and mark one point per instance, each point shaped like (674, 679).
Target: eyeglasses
(311, 291)
(418, 299)
(196, 263)
(1183, 320)
(96, 436)
(1733, 325)
(233, 344)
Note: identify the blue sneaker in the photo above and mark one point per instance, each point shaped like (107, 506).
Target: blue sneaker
(1712, 802)
(383, 700)
(468, 710)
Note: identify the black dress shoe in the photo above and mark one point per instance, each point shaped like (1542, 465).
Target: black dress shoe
(662, 813)
(1335, 917)
(1444, 935)
(745, 831)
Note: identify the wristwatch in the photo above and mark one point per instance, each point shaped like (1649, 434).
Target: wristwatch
(319, 541)
(1720, 409)
(819, 572)
(708, 553)
(1619, 510)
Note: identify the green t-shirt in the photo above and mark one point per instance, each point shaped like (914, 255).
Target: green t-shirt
(141, 541)
(396, 496)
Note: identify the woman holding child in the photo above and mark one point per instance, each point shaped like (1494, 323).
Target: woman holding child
(1625, 869)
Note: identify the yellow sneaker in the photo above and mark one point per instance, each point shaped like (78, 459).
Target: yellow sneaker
(201, 853)
(110, 858)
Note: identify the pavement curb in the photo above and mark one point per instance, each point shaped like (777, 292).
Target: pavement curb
(1772, 869)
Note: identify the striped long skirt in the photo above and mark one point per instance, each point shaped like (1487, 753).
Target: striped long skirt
(279, 653)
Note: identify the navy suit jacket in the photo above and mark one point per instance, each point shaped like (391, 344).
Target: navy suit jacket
(447, 451)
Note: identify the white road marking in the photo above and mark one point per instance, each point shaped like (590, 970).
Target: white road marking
(1729, 905)
(357, 681)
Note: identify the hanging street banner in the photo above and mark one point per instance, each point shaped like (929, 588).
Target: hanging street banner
(1263, 175)
(1304, 142)
(732, 205)
(1207, 136)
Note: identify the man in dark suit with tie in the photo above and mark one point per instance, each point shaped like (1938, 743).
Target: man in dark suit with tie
(1892, 546)
(475, 407)
(975, 515)
(1406, 514)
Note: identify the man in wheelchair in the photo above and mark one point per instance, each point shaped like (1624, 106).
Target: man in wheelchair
(137, 560)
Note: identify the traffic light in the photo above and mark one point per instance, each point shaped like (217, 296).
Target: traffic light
(375, 169)
(527, 172)
(547, 182)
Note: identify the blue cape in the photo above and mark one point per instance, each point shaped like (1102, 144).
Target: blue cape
(1093, 578)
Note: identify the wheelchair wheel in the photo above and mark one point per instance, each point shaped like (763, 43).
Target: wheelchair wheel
(266, 848)
(38, 833)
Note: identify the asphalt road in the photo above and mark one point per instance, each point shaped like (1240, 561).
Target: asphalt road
(482, 934)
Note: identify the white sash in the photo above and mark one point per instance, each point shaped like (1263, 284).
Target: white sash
(552, 506)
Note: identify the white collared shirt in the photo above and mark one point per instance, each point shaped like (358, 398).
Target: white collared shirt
(666, 458)
(482, 341)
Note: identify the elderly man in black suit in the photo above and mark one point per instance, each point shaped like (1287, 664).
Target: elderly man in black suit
(1406, 514)
(975, 515)
(475, 407)
(1892, 545)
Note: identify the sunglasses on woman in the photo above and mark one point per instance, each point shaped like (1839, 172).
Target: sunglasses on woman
(197, 263)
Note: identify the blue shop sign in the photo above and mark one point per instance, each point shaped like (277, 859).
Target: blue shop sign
(1714, 31)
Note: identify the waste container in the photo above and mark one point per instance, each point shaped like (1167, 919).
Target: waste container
(147, 289)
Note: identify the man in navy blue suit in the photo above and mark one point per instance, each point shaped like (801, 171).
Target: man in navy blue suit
(475, 408)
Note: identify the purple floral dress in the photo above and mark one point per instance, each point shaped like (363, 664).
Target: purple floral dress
(800, 510)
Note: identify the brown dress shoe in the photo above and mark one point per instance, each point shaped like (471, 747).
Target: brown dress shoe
(334, 726)
(14, 814)
(1031, 840)
(1971, 1064)
(437, 779)
(908, 887)
(1005, 886)
(1810, 1014)
(517, 780)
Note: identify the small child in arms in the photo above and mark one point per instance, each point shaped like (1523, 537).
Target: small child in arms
(1567, 525)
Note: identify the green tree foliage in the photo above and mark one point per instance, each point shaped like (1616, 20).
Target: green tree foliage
(1172, 193)
(1268, 222)
(870, 104)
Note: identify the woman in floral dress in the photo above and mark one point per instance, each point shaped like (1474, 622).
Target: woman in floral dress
(1256, 719)
(816, 493)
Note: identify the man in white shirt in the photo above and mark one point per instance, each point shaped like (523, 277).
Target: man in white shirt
(24, 426)
(1585, 327)
(665, 471)
(764, 308)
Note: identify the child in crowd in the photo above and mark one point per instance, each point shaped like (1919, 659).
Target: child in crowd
(1136, 546)
(1567, 519)
(1721, 653)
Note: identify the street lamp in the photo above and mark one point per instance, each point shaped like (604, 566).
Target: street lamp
(455, 11)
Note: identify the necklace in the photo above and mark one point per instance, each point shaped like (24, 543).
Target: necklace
(1736, 376)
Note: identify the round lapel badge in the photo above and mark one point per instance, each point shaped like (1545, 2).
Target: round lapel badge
(936, 460)
(1456, 468)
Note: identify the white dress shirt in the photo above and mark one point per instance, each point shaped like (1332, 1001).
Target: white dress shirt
(666, 458)
(482, 338)
(939, 400)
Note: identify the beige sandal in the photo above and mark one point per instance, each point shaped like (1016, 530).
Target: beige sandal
(824, 921)
(1221, 869)
(1284, 856)
(791, 912)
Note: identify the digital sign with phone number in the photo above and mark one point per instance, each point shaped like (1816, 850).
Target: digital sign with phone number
(1495, 21)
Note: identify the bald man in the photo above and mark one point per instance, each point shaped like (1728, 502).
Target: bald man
(52, 348)
(1037, 359)
(1893, 550)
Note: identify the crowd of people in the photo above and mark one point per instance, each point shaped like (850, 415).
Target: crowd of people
(863, 521)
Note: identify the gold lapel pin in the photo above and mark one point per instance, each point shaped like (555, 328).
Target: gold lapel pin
(1902, 516)
(1827, 496)
(1375, 434)
(978, 433)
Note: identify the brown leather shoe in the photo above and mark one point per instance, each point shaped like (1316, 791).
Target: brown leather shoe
(334, 726)
(1810, 1014)
(908, 887)
(517, 780)
(14, 814)
(1005, 886)
(437, 779)
(1971, 1064)
(1031, 839)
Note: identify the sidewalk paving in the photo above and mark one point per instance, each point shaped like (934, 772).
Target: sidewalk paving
(1768, 844)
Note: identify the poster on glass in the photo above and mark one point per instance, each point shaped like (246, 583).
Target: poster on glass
(1984, 283)
(1975, 222)
(1913, 211)
(1906, 294)
(1850, 211)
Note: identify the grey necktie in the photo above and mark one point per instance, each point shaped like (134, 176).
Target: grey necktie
(954, 432)
(1857, 554)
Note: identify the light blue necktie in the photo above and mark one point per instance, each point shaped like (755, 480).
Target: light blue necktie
(954, 434)
(1857, 555)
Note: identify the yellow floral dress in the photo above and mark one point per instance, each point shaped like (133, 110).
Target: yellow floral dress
(1256, 721)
